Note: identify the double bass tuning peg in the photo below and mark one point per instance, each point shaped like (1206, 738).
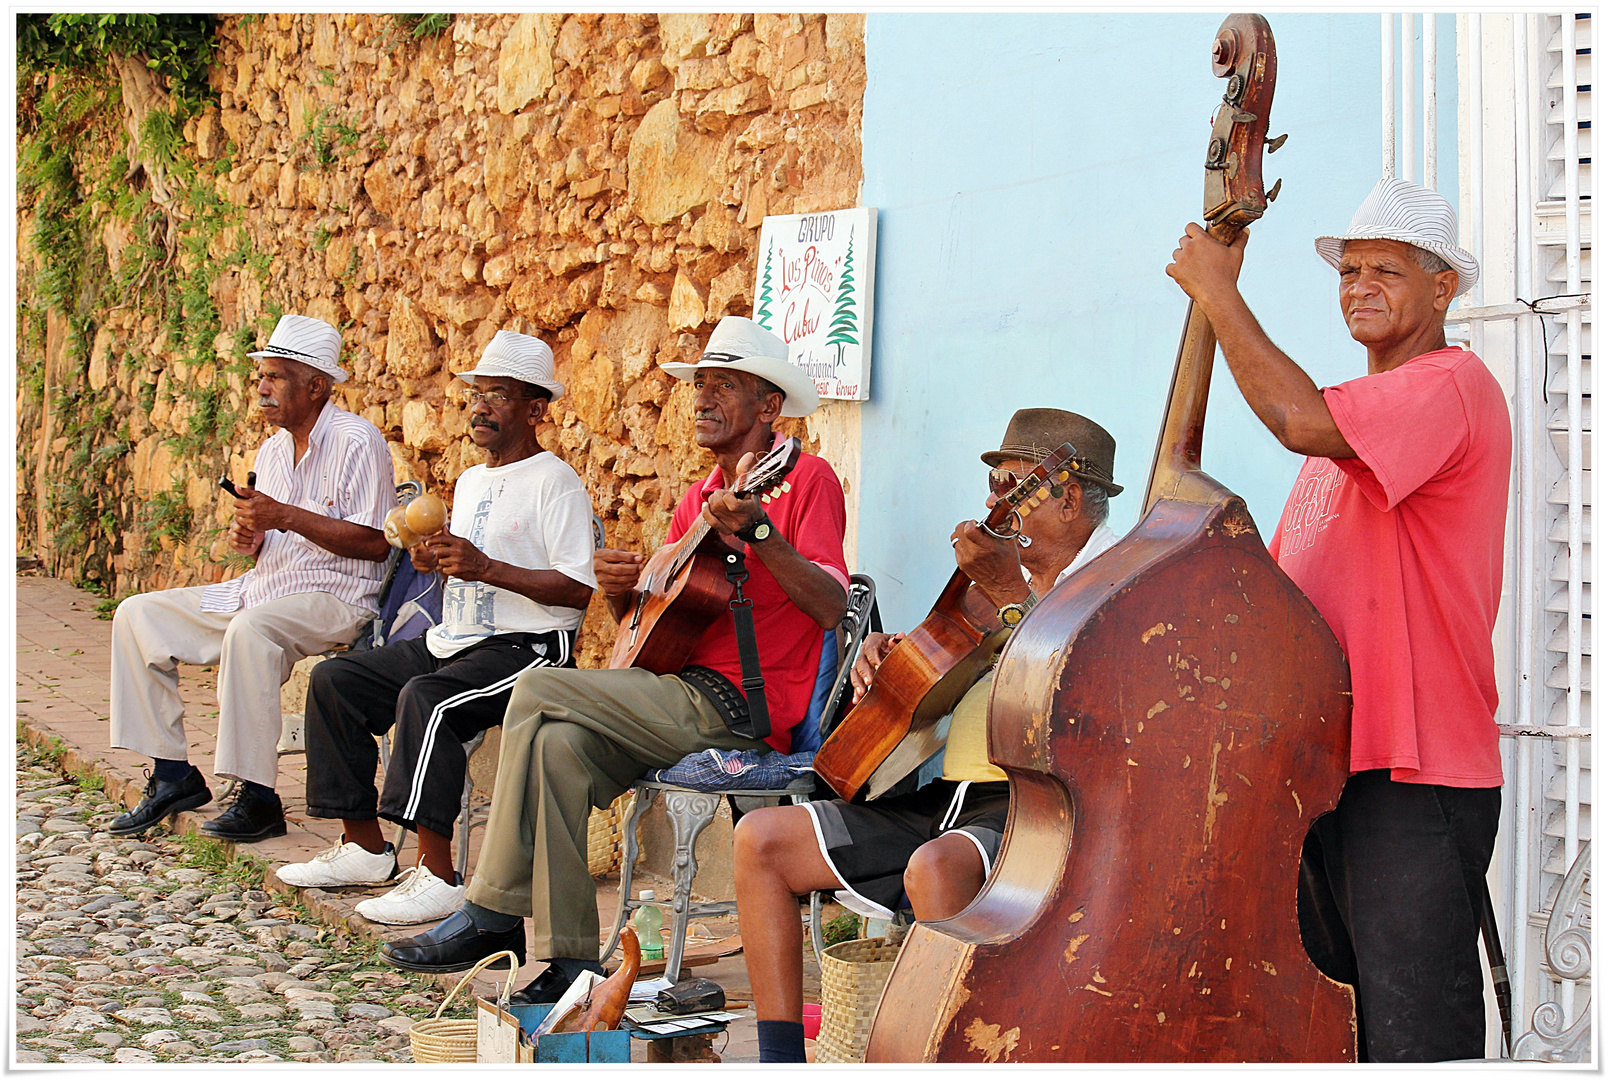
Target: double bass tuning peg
(1274, 143)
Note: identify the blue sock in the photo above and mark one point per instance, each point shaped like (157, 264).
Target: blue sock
(486, 919)
(781, 1040)
(170, 771)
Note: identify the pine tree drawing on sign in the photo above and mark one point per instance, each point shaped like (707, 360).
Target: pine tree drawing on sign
(762, 312)
(844, 321)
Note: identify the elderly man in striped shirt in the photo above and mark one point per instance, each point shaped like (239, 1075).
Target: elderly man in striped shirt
(312, 517)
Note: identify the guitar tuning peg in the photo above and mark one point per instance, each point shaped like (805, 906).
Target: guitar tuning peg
(1274, 143)
(1273, 192)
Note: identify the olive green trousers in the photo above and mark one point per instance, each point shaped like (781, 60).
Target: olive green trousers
(573, 740)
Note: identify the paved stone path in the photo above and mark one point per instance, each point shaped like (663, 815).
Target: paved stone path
(157, 949)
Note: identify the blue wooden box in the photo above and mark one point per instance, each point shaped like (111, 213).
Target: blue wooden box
(570, 1047)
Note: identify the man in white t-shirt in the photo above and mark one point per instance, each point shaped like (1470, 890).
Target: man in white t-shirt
(518, 560)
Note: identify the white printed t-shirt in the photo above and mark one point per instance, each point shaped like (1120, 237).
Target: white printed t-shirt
(535, 514)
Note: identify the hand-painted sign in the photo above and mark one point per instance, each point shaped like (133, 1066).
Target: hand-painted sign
(814, 290)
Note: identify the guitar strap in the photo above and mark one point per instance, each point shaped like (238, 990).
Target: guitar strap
(742, 617)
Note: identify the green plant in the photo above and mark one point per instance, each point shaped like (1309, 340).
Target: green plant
(89, 781)
(422, 26)
(178, 47)
(169, 515)
(845, 927)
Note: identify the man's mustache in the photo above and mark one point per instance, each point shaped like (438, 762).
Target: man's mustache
(705, 414)
(481, 421)
(267, 402)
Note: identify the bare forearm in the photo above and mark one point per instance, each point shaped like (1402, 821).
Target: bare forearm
(812, 590)
(1282, 395)
(347, 539)
(551, 587)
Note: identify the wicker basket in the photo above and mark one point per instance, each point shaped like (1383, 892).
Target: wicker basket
(853, 974)
(435, 1040)
(604, 830)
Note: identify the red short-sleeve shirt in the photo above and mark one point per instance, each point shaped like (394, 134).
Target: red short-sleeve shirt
(807, 510)
(1400, 549)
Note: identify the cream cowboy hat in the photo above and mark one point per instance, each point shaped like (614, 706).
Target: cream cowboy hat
(306, 340)
(517, 356)
(743, 345)
(1397, 210)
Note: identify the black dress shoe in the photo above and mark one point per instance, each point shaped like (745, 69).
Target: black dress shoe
(453, 945)
(253, 817)
(162, 797)
(544, 989)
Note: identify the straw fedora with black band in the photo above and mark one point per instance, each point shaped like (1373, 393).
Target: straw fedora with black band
(1033, 433)
(306, 340)
(741, 344)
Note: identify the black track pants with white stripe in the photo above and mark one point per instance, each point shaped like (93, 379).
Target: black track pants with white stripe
(435, 706)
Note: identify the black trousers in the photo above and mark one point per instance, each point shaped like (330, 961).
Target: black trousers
(435, 705)
(1391, 892)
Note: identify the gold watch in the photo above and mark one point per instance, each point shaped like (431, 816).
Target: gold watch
(1011, 614)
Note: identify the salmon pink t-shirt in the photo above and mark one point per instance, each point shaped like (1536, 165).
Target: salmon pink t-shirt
(1400, 549)
(807, 511)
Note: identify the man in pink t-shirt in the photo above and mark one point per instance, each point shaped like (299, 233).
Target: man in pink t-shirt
(1395, 531)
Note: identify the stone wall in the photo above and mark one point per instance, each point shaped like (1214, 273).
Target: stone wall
(598, 180)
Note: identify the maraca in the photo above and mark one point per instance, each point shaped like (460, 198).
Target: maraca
(426, 515)
(397, 533)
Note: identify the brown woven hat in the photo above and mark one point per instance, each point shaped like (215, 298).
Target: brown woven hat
(1033, 433)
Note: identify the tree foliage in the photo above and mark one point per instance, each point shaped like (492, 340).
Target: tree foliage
(176, 46)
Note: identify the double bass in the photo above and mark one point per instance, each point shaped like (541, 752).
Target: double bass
(1172, 719)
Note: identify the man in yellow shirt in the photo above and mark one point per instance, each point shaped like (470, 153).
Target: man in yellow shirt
(935, 844)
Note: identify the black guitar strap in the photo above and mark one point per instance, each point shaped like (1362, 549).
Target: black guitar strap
(742, 617)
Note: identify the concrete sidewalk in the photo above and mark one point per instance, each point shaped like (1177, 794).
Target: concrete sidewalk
(63, 662)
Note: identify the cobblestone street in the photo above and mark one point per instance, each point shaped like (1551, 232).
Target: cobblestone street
(158, 949)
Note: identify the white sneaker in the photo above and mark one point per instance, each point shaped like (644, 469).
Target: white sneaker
(342, 864)
(422, 897)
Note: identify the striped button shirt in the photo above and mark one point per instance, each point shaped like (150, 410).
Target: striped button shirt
(346, 473)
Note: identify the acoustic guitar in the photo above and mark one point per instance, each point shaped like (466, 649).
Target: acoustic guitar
(683, 587)
(892, 729)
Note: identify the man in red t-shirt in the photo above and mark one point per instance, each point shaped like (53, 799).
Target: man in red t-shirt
(1394, 530)
(573, 740)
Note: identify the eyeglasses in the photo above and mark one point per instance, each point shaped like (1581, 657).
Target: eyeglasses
(495, 398)
(1003, 481)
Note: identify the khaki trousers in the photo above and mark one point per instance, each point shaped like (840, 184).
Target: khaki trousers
(254, 648)
(571, 741)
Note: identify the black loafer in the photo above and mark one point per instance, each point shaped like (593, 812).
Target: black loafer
(162, 798)
(544, 989)
(253, 817)
(453, 945)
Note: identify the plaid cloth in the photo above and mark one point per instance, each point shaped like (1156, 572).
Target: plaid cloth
(718, 770)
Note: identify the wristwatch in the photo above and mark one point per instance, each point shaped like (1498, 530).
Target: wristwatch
(759, 530)
(1011, 614)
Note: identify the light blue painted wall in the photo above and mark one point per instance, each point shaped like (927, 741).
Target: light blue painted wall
(1033, 174)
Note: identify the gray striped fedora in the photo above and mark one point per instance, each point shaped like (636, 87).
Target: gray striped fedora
(1397, 210)
(310, 341)
(517, 356)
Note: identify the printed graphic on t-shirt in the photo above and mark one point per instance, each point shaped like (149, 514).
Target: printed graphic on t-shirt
(1311, 508)
(471, 603)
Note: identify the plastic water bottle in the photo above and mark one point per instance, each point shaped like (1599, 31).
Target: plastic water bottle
(647, 920)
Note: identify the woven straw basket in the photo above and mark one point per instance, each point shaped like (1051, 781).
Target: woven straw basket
(604, 832)
(853, 974)
(435, 1040)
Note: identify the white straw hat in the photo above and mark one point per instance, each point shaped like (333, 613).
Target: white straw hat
(517, 356)
(1397, 210)
(743, 345)
(307, 340)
